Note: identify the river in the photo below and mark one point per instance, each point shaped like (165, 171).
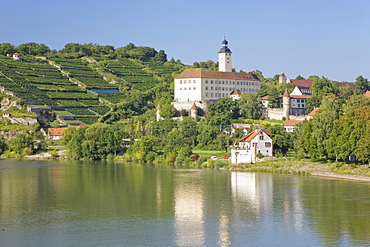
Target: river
(51, 203)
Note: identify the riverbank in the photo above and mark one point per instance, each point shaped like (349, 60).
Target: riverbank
(288, 166)
(332, 170)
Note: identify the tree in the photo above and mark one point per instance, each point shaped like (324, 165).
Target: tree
(281, 139)
(299, 77)
(3, 145)
(101, 140)
(314, 138)
(6, 48)
(362, 85)
(323, 86)
(168, 111)
(249, 105)
(22, 142)
(146, 145)
(33, 48)
(160, 57)
(224, 107)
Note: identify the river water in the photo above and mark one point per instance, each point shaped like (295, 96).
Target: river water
(49, 203)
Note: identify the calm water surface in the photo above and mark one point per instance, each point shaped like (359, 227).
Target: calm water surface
(103, 204)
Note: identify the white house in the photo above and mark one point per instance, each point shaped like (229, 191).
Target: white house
(258, 141)
(290, 125)
(16, 56)
(201, 86)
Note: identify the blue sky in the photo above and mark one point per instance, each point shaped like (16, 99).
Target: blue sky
(328, 38)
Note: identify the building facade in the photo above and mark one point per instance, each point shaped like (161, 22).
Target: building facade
(256, 142)
(201, 86)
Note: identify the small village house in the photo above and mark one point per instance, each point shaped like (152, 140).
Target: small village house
(250, 146)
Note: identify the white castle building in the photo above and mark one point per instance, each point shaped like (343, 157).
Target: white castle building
(200, 87)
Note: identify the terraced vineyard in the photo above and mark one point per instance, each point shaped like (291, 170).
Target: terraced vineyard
(77, 89)
(48, 85)
(133, 73)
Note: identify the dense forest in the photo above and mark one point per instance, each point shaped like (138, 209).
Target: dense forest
(116, 90)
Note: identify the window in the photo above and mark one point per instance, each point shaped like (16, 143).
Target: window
(206, 88)
(211, 82)
(211, 88)
(184, 81)
(180, 88)
(189, 88)
(254, 144)
(180, 81)
(299, 105)
(262, 137)
(194, 81)
(206, 94)
(237, 83)
(206, 81)
(267, 144)
(194, 88)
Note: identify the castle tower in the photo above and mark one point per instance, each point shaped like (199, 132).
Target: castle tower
(282, 78)
(193, 111)
(158, 114)
(224, 58)
(286, 105)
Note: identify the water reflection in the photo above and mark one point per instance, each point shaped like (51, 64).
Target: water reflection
(119, 204)
(189, 210)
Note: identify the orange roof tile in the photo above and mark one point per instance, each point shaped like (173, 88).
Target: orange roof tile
(249, 137)
(292, 122)
(201, 73)
(55, 131)
(313, 112)
(193, 107)
(367, 93)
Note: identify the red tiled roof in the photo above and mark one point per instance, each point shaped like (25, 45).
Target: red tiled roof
(193, 107)
(347, 84)
(303, 83)
(201, 73)
(249, 137)
(313, 112)
(367, 93)
(55, 131)
(292, 122)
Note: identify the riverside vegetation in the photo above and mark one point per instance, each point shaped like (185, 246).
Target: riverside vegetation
(116, 90)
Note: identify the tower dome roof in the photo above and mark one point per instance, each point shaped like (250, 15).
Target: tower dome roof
(224, 48)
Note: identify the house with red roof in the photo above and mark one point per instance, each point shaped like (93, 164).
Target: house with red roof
(55, 133)
(295, 102)
(290, 125)
(312, 113)
(250, 146)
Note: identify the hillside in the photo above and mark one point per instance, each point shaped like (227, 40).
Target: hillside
(82, 89)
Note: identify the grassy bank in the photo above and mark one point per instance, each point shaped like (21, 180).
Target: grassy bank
(306, 167)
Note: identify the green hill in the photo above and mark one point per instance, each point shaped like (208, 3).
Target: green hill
(82, 85)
